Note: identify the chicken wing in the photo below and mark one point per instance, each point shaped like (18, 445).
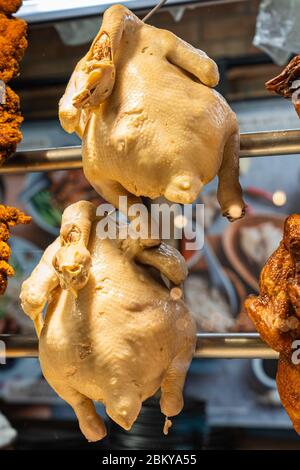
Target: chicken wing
(276, 313)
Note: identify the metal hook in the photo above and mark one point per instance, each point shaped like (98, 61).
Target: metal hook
(154, 10)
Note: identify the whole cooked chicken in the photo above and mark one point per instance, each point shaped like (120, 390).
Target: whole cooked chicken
(276, 313)
(151, 124)
(112, 332)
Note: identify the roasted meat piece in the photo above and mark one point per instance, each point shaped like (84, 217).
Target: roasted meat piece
(13, 44)
(10, 6)
(9, 217)
(10, 121)
(287, 83)
(276, 313)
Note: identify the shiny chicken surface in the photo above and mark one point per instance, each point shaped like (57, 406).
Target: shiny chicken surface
(151, 124)
(276, 313)
(112, 333)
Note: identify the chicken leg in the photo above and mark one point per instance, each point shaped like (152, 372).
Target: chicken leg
(191, 60)
(114, 192)
(91, 424)
(231, 197)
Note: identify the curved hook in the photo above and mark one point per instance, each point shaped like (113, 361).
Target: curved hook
(154, 10)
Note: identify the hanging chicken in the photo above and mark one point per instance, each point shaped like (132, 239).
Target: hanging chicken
(112, 332)
(276, 314)
(151, 124)
(13, 43)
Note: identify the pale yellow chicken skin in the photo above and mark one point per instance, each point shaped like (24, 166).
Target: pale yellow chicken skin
(113, 334)
(151, 124)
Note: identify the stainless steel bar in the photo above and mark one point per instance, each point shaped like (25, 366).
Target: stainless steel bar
(210, 346)
(256, 144)
(265, 144)
(233, 346)
(16, 346)
(60, 158)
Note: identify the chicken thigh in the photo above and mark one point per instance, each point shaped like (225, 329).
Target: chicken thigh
(142, 100)
(276, 313)
(112, 333)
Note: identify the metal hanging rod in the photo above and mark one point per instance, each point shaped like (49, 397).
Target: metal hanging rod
(210, 346)
(271, 143)
(233, 346)
(154, 10)
(254, 144)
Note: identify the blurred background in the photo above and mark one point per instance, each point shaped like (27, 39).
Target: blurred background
(229, 404)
